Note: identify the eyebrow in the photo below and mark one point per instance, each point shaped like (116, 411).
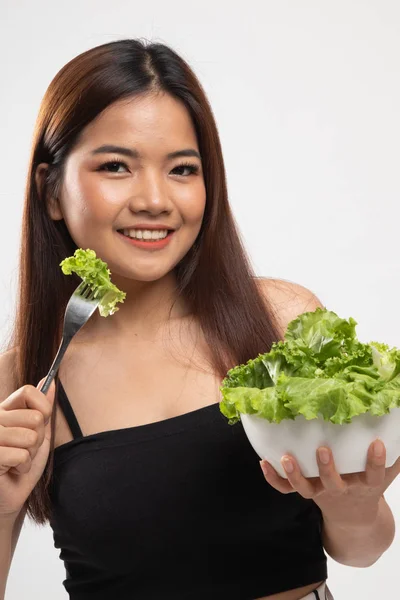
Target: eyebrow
(108, 149)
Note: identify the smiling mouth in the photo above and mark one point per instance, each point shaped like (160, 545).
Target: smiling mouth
(146, 235)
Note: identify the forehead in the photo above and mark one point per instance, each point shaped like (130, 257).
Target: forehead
(145, 120)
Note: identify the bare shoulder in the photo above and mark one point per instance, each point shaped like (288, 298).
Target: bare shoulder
(287, 299)
(8, 361)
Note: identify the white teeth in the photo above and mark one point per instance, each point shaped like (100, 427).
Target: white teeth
(146, 234)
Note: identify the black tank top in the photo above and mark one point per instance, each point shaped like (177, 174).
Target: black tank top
(178, 509)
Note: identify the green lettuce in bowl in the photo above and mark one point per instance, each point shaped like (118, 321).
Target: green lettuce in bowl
(319, 377)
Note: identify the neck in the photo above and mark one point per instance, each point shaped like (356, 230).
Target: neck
(148, 306)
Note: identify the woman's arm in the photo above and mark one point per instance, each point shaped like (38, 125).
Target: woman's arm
(9, 534)
(354, 544)
(6, 535)
(361, 546)
(9, 528)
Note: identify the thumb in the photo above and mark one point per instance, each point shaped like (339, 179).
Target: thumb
(50, 391)
(50, 394)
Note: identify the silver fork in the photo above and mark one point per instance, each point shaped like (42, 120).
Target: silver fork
(80, 308)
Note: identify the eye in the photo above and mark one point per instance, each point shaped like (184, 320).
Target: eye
(112, 166)
(191, 168)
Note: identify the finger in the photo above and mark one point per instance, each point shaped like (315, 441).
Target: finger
(375, 470)
(276, 481)
(49, 395)
(18, 437)
(302, 485)
(41, 382)
(330, 478)
(31, 419)
(28, 397)
(16, 460)
(391, 474)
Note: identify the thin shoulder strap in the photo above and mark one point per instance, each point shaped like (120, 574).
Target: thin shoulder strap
(66, 407)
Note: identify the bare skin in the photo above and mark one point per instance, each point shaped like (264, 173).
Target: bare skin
(189, 383)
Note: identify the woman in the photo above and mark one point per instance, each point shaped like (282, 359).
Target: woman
(150, 493)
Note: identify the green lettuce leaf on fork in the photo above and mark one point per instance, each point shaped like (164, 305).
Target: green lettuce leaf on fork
(95, 273)
(319, 370)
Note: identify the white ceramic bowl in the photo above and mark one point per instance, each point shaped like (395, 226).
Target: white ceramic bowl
(301, 438)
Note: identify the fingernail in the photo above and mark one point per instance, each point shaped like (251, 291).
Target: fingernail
(378, 449)
(288, 465)
(323, 456)
(264, 467)
(39, 385)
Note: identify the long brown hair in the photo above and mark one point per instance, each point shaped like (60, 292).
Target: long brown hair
(215, 276)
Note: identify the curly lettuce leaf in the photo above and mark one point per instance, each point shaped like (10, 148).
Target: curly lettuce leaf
(266, 403)
(322, 334)
(335, 400)
(386, 360)
(265, 370)
(319, 370)
(95, 273)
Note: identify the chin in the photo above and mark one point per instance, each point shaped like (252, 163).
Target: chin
(144, 276)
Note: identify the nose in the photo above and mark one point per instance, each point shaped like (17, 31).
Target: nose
(150, 194)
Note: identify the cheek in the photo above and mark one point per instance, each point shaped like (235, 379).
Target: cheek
(193, 209)
(85, 198)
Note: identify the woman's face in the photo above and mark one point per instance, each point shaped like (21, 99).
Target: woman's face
(135, 174)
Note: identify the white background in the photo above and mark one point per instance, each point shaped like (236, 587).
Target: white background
(306, 94)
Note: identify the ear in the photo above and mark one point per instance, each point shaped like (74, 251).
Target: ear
(53, 204)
